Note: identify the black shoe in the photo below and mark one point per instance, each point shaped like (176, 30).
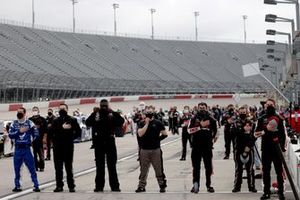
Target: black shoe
(235, 190)
(182, 159)
(92, 147)
(253, 189)
(36, 189)
(195, 188)
(58, 189)
(41, 170)
(139, 190)
(162, 190)
(72, 190)
(226, 158)
(116, 190)
(210, 190)
(16, 189)
(98, 190)
(281, 196)
(265, 196)
(258, 176)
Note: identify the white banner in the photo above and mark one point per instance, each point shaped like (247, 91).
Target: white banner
(251, 69)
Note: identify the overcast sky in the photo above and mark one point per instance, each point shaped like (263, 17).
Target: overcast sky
(218, 20)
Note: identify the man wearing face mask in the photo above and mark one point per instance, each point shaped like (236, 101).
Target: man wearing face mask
(227, 121)
(64, 130)
(49, 119)
(105, 121)
(38, 145)
(151, 132)
(244, 150)
(23, 131)
(203, 128)
(185, 137)
(271, 129)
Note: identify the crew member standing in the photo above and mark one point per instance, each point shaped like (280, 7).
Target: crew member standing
(271, 128)
(228, 121)
(151, 132)
(38, 145)
(203, 128)
(49, 119)
(244, 151)
(105, 121)
(65, 129)
(23, 131)
(185, 137)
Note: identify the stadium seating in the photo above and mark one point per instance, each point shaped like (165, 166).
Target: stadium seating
(38, 64)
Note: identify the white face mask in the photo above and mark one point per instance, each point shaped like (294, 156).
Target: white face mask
(185, 111)
(35, 113)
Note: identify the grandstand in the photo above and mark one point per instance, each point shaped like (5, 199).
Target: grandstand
(38, 64)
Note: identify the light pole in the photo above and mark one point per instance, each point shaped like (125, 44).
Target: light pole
(196, 24)
(115, 6)
(274, 18)
(274, 32)
(245, 32)
(296, 2)
(33, 17)
(152, 10)
(74, 2)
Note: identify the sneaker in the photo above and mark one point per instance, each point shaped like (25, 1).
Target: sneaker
(265, 196)
(72, 190)
(281, 196)
(195, 188)
(98, 190)
(17, 189)
(210, 190)
(235, 190)
(116, 190)
(36, 189)
(139, 190)
(162, 190)
(253, 189)
(58, 189)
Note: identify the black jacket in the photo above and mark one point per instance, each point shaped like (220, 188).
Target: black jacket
(267, 143)
(104, 124)
(243, 140)
(204, 137)
(65, 137)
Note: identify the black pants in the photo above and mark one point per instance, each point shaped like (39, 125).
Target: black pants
(63, 155)
(239, 167)
(185, 137)
(267, 159)
(197, 156)
(49, 145)
(106, 149)
(38, 154)
(229, 138)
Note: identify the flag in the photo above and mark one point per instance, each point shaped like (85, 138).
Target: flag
(251, 69)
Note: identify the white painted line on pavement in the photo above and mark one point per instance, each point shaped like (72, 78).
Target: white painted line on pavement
(84, 172)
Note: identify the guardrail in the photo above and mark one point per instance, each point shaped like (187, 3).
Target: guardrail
(56, 103)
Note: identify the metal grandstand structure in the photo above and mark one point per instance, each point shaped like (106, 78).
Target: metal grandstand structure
(42, 65)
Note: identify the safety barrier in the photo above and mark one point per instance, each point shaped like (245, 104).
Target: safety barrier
(56, 103)
(294, 163)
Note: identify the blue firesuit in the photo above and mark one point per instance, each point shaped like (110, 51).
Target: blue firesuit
(22, 149)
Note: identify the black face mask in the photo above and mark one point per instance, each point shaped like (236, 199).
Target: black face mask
(149, 115)
(20, 115)
(243, 116)
(202, 112)
(62, 113)
(270, 110)
(50, 114)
